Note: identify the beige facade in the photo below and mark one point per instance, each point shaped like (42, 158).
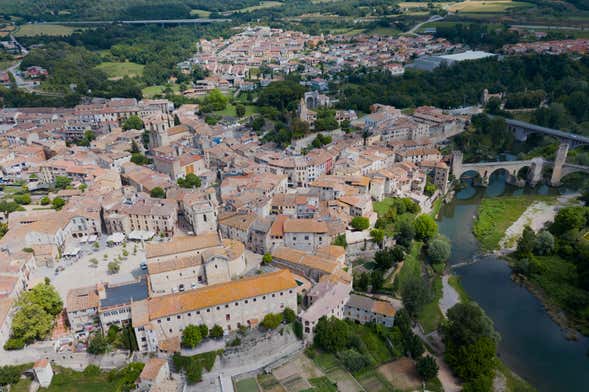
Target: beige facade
(230, 305)
(189, 263)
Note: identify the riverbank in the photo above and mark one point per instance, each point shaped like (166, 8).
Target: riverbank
(496, 215)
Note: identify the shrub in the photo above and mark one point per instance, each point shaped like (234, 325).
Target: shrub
(272, 320)
(204, 330)
(191, 336)
(14, 344)
(289, 315)
(216, 332)
(353, 360)
(360, 223)
(98, 344)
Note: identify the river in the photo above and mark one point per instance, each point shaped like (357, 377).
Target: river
(531, 343)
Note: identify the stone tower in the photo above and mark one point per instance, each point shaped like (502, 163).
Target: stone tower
(559, 161)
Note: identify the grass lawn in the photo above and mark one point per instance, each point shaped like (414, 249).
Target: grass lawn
(374, 344)
(436, 206)
(229, 111)
(321, 384)
(22, 386)
(411, 265)
(381, 207)
(200, 13)
(151, 91)
(496, 214)
(119, 70)
(373, 381)
(71, 381)
(247, 385)
(431, 316)
(31, 30)
(262, 5)
(454, 281)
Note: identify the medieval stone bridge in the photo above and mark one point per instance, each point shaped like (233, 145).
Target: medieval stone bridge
(535, 168)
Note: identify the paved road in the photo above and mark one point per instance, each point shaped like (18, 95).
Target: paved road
(434, 18)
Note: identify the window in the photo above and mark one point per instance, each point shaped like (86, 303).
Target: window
(218, 308)
(273, 295)
(159, 321)
(226, 306)
(246, 301)
(237, 304)
(227, 317)
(168, 319)
(198, 312)
(208, 310)
(170, 330)
(189, 314)
(178, 317)
(264, 297)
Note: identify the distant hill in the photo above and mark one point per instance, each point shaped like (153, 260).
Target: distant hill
(63, 10)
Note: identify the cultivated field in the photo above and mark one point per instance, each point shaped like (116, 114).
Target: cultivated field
(498, 6)
(29, 30)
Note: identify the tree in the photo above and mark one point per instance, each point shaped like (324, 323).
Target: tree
(377, 236)
(216, 332)
(176, 120)
(415, 294)
(413, 344)
(98, 344)
(386, 258)
(45, 295)
(204, 330)
(240, 110)
(10, 374)
(474, 360)
(376, 280)
(8, 206)
(133, 122)
(31, 322)
(332, 334)
(94, 262)
(58, 203)
(425, 227)
(158, 192)
(544, 243)
(353, 360)
(439, 250)
(62, 182)
(266, 259)
(191, 336)
(139, 159)
(360, 223)
(427, 368)
(466, 324)
(405, 230)
(361, 281)
(45, 200)
(113, 267)
(190, 181)
(281, 94)
(568, 218)
(272, 320)
(289, 315)
(22, 199)
(214, 101)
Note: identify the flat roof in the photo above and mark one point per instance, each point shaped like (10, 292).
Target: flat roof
(125, 293)
(468, 55)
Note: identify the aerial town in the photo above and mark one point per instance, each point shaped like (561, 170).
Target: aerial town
(235, 201)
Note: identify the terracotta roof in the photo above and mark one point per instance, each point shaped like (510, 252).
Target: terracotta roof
(220, 294)
(299, 257)
(182, 245)
(152, 369)
(304, 226)
(173, 264)
(239, 221)
(41, 363)
(82, 298)
(277, 228)
(331, 251)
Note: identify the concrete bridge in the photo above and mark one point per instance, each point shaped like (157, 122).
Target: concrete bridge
(534, 173)
(522, 129)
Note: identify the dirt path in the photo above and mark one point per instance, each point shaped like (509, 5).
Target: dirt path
(536, 216)
(450, 296)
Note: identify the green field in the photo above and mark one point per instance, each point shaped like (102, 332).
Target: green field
(120, 70)
(229, 111)
(29, 30)
(411, 266)
(262, 5)
(200, 13)
(496, 214)
(247, 385)
(151, 91)
(499, 6)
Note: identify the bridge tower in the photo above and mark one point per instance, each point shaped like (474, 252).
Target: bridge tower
(559, 161)
(535, 175)
(457, 158)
